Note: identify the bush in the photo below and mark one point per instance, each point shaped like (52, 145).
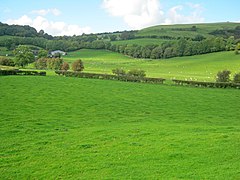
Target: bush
(54, 63)
(136, 73)
(41, 63)
(236, 78)
(119, 72)
(77, 65)
(65, 66)
(4, 61)
(223, 76)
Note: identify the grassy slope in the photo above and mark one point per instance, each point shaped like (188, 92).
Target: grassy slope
(202, 67)
(203, 29)
(55, 127)
(141, 41)
(4, 51)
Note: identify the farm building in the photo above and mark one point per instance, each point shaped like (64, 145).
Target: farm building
(53, 53)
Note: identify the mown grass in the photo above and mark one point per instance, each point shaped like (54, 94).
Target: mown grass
(69, 128)
(201, 67)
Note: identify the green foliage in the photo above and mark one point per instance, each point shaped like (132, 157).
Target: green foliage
(41, 63)
(42, 53)
(223, 76)
(54, 63)
(136, 73)
(4, 61)
(114, 130)
(23, 55)
(126, 35)
(77, 65)
(119, 72)
(65, 66)
(236, 78)
(237, 49)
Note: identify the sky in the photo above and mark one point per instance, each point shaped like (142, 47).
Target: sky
(74, 17)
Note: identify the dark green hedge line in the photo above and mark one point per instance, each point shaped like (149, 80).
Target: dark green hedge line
(20, 72)
(207, 84)
(111, 77)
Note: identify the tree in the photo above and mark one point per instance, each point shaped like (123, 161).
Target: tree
(223, 76)
(41, 63)
(136, 73)
(65, 66)
(237, 48)
(42, 53)
(4, 61)
(23, 55)
(77, 65)
(113, 37)
(157, 53)
(54, 63)
(119, 72)
(236, 78)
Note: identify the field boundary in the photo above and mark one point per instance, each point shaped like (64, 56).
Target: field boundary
(21, 72)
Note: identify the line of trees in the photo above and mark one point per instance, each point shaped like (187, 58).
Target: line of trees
(182, 47)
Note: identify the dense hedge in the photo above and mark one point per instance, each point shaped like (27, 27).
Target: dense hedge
(20, 72)
(208, 84)
(111, 77)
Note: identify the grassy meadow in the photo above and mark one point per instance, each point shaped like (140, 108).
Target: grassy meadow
(201, 67)
(141, 41)
(173, 30)
(68, 128)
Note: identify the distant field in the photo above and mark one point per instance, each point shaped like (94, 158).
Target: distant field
(172, 30)
(69, 128)
(202, 67)
(141, 41)
(4, 51)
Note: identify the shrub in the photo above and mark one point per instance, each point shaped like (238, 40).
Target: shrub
(65, 66)
(54, 63)
(136, 73)
(4, 61)
(223, 76)
(77, 65)
(41, 63)
(119, 72)
(236, 78)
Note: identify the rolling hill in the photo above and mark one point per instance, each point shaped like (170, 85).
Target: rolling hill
(188, 30)
(201, 67)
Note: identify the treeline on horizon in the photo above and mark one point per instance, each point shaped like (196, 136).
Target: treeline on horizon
(13, 35)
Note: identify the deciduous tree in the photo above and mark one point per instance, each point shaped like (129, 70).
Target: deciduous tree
(23, 55)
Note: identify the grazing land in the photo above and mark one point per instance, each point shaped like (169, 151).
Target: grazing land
(185, 30)
(201, 67)
(141, 41)
(54, 127)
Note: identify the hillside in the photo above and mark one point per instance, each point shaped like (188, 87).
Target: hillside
(201, 67)
(191, 30)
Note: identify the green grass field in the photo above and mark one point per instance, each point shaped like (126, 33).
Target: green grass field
(69, 128)
(171, 30)
(141, 41)
(201, 67)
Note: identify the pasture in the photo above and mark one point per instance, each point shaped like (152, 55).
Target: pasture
(141, 41)
(70, 128)
(200, 68)
(183, 30)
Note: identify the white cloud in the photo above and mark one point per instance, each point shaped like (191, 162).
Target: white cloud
(50, 27)
(44, 12)
(142, 13)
